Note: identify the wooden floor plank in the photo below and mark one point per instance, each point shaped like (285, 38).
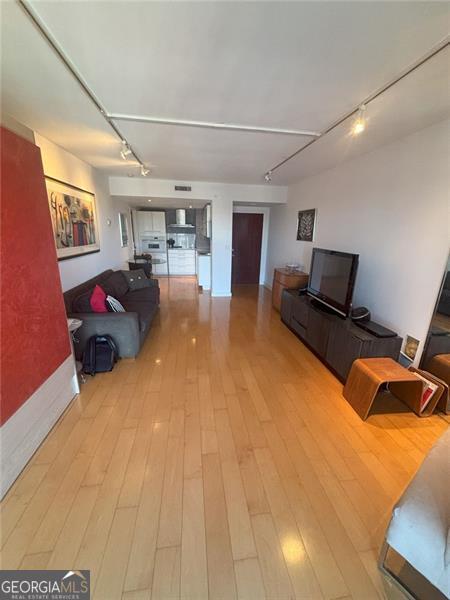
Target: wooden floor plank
(140, 568)
(166, 578)
(249, 581)
(302, 576)
(194, 575)
(242, 541)
(115, 560)
(273, 567)
(70, 538)
(221, 583)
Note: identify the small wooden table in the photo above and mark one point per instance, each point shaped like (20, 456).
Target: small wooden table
(366, 377)
(286, 279)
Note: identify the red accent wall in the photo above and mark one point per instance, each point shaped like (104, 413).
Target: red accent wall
(34, 339)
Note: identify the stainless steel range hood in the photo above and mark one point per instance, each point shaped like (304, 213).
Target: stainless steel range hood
(181, 219)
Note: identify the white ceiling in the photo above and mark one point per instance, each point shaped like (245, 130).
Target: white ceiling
(296, 65)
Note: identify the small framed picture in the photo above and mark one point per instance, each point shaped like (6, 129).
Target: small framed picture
(123, 226)
(411, 346)
(306, 225)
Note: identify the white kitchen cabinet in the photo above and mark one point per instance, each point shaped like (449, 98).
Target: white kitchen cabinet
(159, 221)
(144, 221)
(181, 262)
(151, 221)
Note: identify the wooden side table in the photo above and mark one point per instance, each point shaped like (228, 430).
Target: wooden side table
(286, 279)
(366, 377)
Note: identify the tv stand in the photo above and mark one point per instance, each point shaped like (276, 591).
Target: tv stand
(335, 340)
(324, 308)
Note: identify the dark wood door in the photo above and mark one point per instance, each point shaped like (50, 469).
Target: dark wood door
(247, 237)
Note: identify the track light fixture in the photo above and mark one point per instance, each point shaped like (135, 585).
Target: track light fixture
(268, 177)
(126, 150)
(144, 171)
(360, 122)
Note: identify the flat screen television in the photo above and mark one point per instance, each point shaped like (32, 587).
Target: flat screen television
(332, 279)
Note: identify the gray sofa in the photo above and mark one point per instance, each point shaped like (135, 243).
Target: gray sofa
(128, 329)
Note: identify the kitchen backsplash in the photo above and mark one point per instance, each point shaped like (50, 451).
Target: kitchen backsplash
(182, 240)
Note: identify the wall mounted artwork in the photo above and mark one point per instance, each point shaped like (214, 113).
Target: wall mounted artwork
(74, 219)
(306, 224)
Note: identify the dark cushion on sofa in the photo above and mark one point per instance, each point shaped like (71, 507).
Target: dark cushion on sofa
(82, 303)
(136, 279)
(148, 294)
(116, 285)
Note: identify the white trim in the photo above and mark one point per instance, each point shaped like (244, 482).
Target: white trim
(220, 295)
(25, 430)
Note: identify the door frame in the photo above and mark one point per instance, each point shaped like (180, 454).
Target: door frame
(265, 211)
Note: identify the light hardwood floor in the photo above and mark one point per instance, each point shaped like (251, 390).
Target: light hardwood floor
(222, 463)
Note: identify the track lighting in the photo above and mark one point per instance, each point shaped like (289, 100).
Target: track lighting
(360, 122)
(126, 151)
(144, 171)
(268, 177)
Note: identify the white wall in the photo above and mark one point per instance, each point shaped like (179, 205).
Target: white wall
(392, 207)
(62, 165)
(221, 240)
(265, 211)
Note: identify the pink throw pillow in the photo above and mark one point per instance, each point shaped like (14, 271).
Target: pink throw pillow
(98, 300)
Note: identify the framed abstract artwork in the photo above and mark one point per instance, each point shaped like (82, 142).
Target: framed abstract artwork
(74, 219)
(123, 226)
(306, 224)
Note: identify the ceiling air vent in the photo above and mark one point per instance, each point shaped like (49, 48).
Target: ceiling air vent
(183, 188)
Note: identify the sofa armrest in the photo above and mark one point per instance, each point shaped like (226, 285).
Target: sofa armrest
(419, 528)
(123, 327)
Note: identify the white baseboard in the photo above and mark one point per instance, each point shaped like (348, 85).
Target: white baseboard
(220, 294)
(25, 430)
